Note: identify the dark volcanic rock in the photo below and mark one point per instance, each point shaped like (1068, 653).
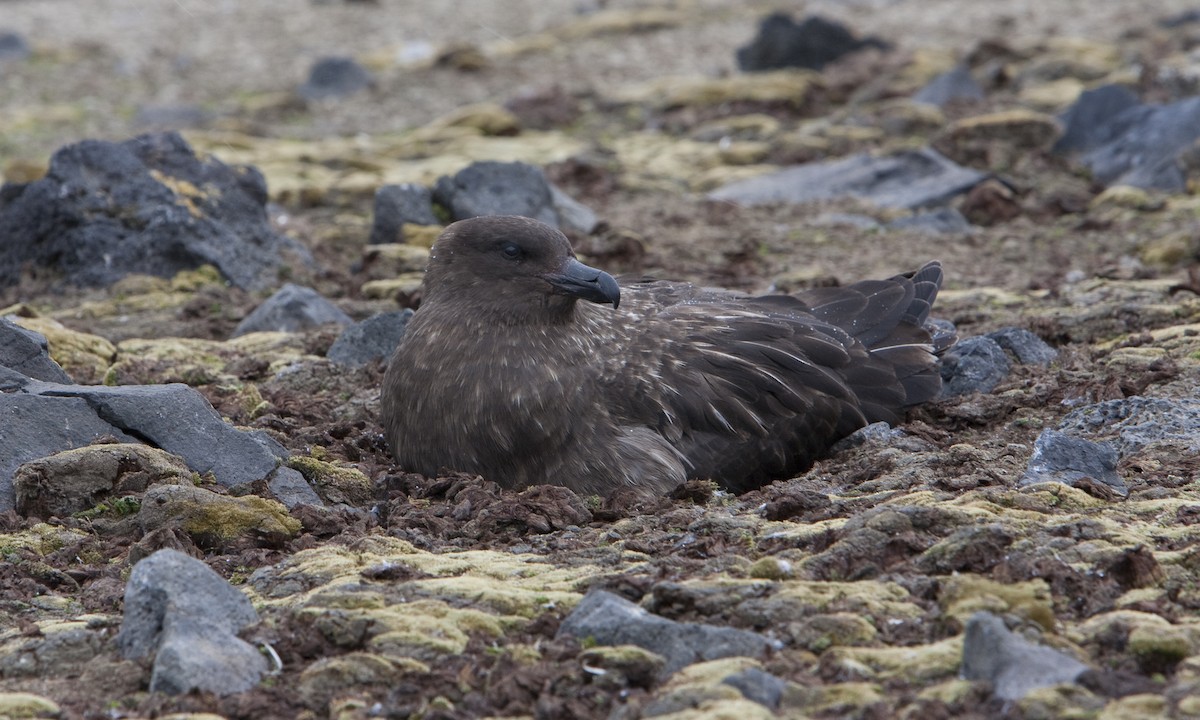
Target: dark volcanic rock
(146, 205)
(1145, 146)
(1059, 457)
(609, 619)
(516, 188)
(910, 179)
(290, 488)
(782, 42)
(13, 47)
(335, 77)
(291, 309)
(1133, 422)
(758, 686)
(375, 338)
(177, 419)
(1027, 348)
(975, 364)
(1011, 663)
(35, 427)
(1089, 122)
(396, 205)
(28, 353)
(953, 85)
(187, 617)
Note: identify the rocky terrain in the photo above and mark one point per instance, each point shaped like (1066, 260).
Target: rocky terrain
(212, 230)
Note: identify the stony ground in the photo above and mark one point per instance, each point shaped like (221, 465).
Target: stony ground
(440, 597)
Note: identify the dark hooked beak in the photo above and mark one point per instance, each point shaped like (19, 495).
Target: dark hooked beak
(586, 283)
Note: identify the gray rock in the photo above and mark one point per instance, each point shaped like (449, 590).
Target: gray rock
(396, 205)
(13, 47)
(1133, 422)
(28, 353)
(758, 686)
(782, 42)
(875, 432)
(516, 188)
(11, 380)
(177, 419)
(609, 619)
(375, 338)
(105, 210)
(291, 309)
(1090, 121)
(1027, 348)
(1146, 151)
(335, 77)
(1059, 457)
(1014, 665)
(910, 179)
(187, 617)
(942, 221)
(976, 364)
(35, 427)
(290, 488)
(952, 85)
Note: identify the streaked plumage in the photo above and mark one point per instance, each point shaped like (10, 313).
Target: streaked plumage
(504, 372)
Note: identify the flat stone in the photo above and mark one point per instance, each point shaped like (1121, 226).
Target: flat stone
(27, 352)
(1014, 665)
(1134, 422)
(1059, 457)
(908, 180)
(375, 338)
(1147, 141)
(1027, 348)
(289, 487)
(609, 619)
(212, 519)
(35, 427)
(187, 617)
(177, 419)
(1089, 122)
(291, 309)
(759, 686)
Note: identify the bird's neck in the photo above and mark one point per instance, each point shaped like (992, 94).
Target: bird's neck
(547, 311)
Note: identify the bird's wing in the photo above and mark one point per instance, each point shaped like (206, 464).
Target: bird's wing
(753, 388)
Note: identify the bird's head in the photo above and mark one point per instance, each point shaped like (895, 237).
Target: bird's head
(512, 266)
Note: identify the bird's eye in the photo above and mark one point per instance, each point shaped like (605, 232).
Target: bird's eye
(512, 251)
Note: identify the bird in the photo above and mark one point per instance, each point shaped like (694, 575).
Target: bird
(526, 366)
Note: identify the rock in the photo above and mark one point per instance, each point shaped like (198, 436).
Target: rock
(1011, 663)
(516, 188)
(13, 47)
(83, 356)
(147, 205)
(398, 205)
(28, 353)
(942, 221)
(19, 706)
(35, 427)
(372, 339)
(814, 43)
(1027, 348)
(996, 138)
(991, 202)
(953, 85)
(609, 619)
(292, 309)
(1146, 145)
(976, 364)
(1089, 122)
(75, 480)
(761, 687)
(290, 488)
(177, 419)
(1134, 422)
(335, 77)
(334, 483)
(1059, 457)
(11, 380)
(910, 179)
(187, 617)
(212, 519)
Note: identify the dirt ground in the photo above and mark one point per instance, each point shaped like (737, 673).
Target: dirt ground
(1076, 271)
